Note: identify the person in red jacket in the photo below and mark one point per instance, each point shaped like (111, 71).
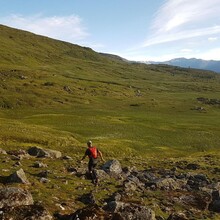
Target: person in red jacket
(93, 153)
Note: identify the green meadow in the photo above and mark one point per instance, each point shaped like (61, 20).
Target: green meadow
(59, 95)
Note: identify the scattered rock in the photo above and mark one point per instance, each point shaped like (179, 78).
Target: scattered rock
(192, 192)
(71, 169)
(39, 165)
(13, 197)
(132, 183)
(209, 101)
(129, 186)
(44, 180)
(196, 181)
(18, 177)
(130, 211)
(26, 212)
(67, 158)
(177, 216)
(23, 77)
(82, 172)
(44, 173)
(88, 198)
(101, 174)
(112, 167)
(146, 177)
(192, 166)
(40, 152)
(199, 200)
(167, 184)
(18, 154)
(199, 108)
(3, 151)
(91, 212)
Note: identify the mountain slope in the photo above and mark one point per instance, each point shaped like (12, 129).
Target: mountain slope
(19, 47)
(72, 91)
(159, 121)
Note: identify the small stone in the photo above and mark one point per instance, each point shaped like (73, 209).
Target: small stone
(44, 180)
(3, 151)
(18, 177)
(39, 165)
(67, 158)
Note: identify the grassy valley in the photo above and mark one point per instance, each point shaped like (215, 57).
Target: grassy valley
(58, 95)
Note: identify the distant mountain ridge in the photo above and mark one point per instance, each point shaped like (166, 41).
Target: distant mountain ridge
(212, 65)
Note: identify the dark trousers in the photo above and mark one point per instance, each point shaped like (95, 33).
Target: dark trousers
(91, 167)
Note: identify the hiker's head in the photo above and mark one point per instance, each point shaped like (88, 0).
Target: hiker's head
(89, 143)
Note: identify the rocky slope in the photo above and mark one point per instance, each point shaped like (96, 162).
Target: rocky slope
(171, 189)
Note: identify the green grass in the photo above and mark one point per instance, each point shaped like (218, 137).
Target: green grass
(138, 130)
(132, 112)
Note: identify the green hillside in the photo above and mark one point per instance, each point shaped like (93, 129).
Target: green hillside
(57, 94)
(158, 118)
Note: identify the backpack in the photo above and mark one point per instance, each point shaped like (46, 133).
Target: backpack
(93, 152)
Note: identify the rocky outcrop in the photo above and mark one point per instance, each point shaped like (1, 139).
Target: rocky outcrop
(130, 211)
(196, 200)
(27, 212)
(113, 211)
(132, 183)
(180, 190)
(13, 197)
(167, 184)
(196, 181)
(101, 174)
(40, 152)
(112, 167)
(17, 204)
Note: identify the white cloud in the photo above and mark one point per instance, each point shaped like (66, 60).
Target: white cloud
(68, 28)
(212, 54)
(181, 28)
(212, 38)
(181, 35)
(186, 50)
(184, 19)
(174, 14)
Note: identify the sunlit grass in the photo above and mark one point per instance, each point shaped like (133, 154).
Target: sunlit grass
(58, 96)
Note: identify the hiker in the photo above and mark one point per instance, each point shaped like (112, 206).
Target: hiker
(93, 153)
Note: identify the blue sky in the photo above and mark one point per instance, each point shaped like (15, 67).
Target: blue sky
(139, 30)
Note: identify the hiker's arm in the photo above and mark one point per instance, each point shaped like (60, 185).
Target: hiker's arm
(83, 158)
(100, 154)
